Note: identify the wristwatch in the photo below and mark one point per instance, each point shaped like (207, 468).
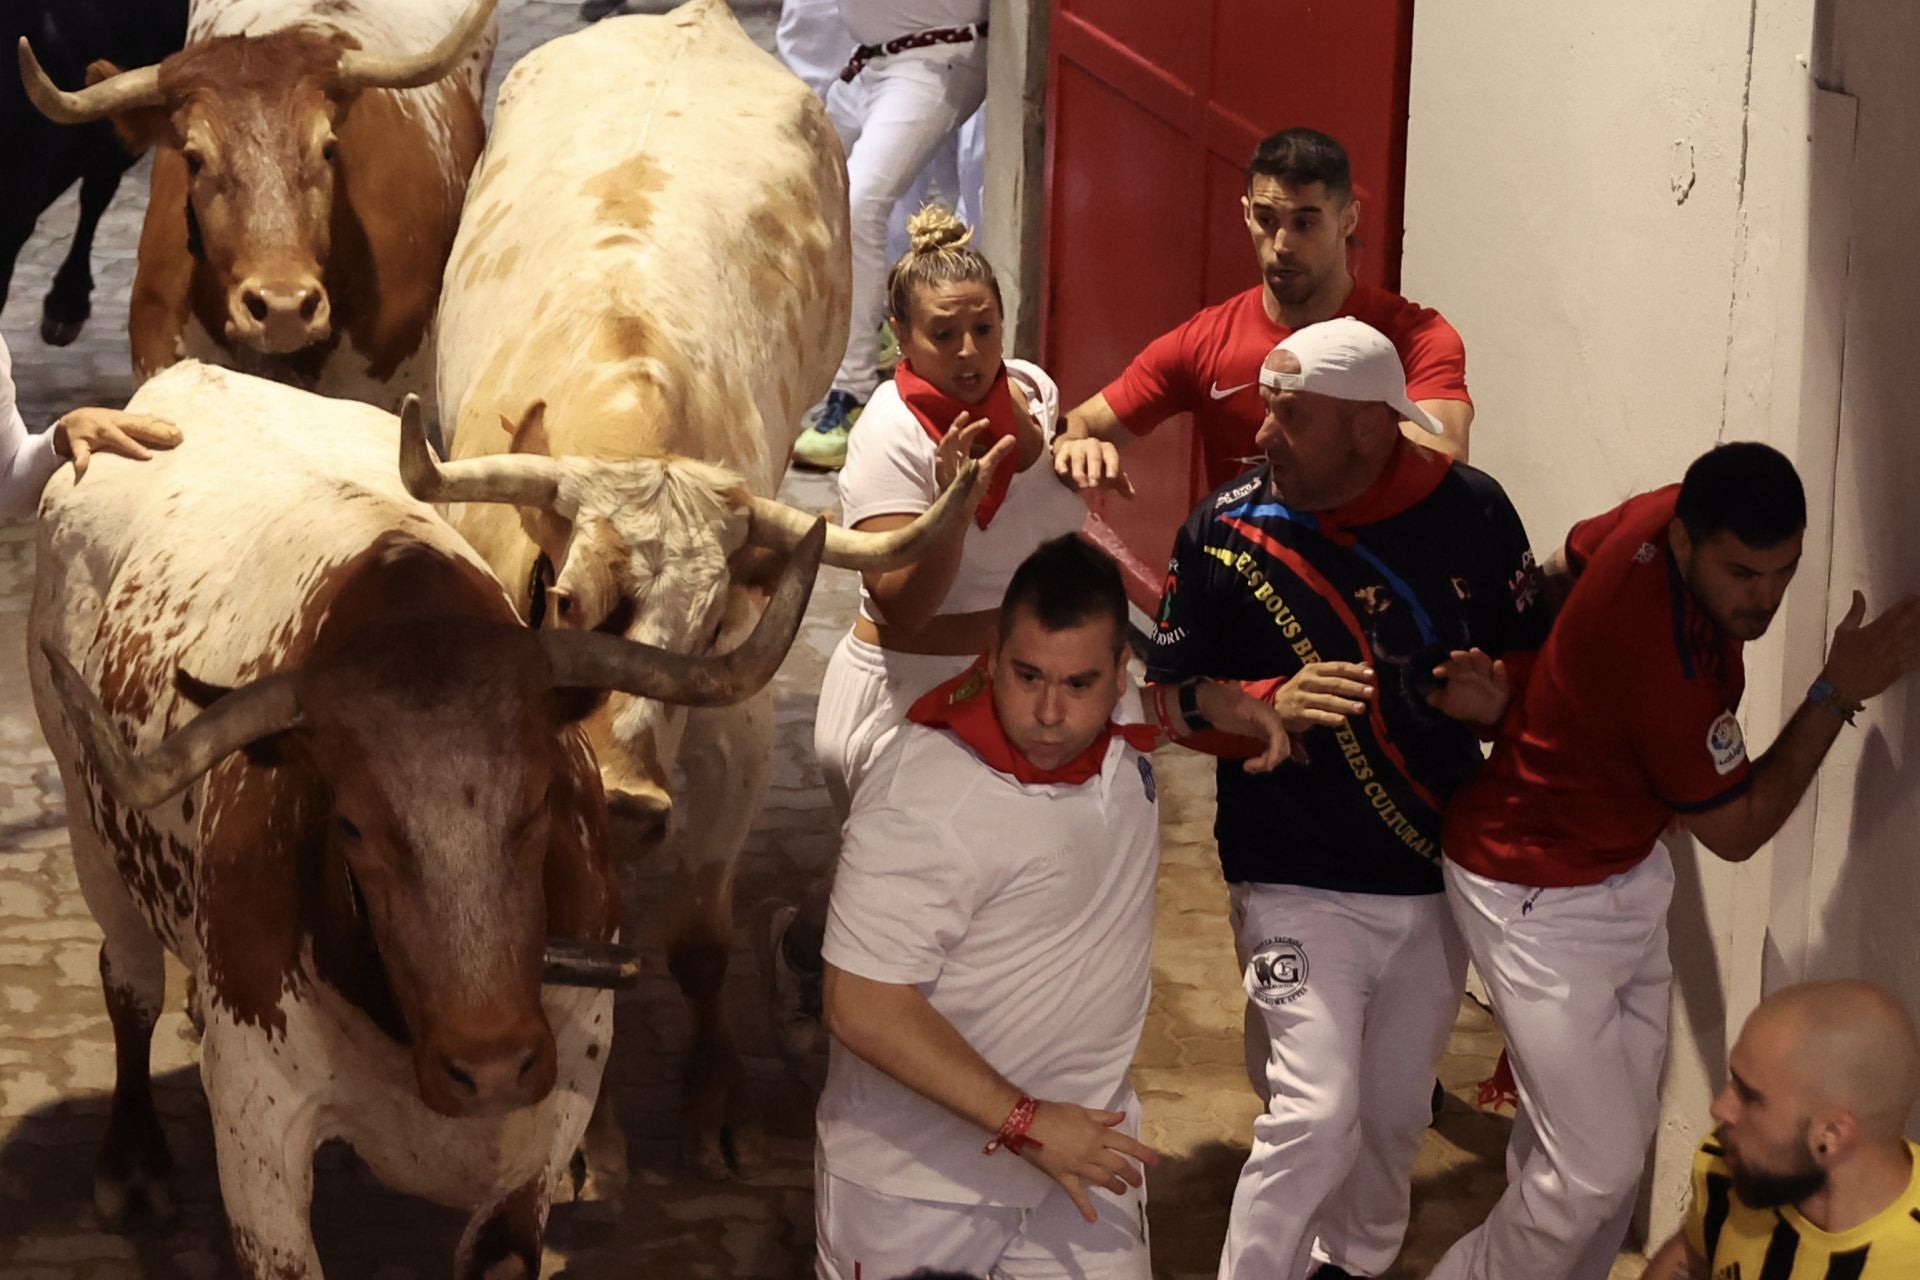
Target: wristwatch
(1190, 707)
(1822, 694)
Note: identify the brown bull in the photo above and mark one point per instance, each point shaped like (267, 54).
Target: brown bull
(312, 158)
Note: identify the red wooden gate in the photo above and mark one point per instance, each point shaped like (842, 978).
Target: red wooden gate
(1153, 108)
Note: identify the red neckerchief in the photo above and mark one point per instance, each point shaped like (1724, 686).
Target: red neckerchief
(964, 706)
(936, 411)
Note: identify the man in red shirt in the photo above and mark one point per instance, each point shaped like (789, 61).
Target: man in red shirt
(1300, 211)
(1555, 867)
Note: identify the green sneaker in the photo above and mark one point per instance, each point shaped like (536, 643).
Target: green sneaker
(823, 445)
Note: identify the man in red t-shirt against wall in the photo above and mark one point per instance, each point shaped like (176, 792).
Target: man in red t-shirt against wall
(1300, 211)
(1556, 871)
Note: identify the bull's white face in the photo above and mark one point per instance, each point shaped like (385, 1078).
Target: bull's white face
(643, 549)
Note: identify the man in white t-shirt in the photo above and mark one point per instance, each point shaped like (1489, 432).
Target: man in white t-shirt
(988, 961)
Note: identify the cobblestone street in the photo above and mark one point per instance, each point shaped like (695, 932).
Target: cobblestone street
(56, 1049)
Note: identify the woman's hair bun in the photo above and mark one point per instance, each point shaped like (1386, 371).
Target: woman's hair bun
(935, 228)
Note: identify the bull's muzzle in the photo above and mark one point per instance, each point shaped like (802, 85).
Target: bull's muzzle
(279, 317)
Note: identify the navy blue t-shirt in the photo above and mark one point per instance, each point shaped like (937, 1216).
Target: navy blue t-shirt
(1431, 559)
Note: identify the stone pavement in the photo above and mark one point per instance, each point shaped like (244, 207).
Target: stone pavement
(56, 1058)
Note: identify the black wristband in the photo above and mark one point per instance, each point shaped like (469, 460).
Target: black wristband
(1190, 708)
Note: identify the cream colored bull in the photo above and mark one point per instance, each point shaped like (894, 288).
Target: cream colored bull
(652, 272)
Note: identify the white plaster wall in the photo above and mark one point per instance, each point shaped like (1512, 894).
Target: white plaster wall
(1863, 877)
(1610, 204)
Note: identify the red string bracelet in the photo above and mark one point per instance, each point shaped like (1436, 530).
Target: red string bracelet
(1013, 1130)
(1159, 700)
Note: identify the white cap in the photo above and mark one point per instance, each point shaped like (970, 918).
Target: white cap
(1348, 360)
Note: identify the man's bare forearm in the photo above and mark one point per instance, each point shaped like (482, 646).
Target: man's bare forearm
(1094, 418)
(893, 1028)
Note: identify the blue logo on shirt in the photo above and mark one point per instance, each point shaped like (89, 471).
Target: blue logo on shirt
(1146, 779)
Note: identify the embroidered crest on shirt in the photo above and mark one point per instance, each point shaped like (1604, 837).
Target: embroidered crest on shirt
(1373, 599)
(1726, 744)
(1277, 972)
(1645, 554)
(968, 688)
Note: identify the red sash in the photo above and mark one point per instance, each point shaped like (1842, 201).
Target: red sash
(964, 706)
(936, 411)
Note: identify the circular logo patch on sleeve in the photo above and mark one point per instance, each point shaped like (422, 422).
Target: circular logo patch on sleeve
(1277, 972)
(1726, 744)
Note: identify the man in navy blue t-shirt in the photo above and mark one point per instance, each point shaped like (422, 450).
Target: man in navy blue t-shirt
(1371, 588)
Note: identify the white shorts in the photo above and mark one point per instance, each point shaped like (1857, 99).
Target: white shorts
(863, 699)
(862, 1234)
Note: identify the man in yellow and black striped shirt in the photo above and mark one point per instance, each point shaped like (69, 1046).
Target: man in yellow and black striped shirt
(1807, 1176)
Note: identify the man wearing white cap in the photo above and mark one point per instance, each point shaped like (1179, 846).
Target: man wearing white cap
(1368, 585)
(1301, 211)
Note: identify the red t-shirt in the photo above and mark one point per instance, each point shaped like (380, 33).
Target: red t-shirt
(1210, 367)
(1626, 718)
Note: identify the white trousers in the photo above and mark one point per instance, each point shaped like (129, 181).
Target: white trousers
(864, 698)
(1579, 980)
(1351, 997)
(861, 1234)
(813, 42)
(892, 118)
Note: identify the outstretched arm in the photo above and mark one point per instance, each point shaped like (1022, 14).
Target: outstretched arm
(894, 1028)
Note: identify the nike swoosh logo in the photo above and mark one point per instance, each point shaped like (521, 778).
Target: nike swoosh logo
(1218, 394)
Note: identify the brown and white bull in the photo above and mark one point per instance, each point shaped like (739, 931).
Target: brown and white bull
(652, 272)
(308, 748)
(311, 159)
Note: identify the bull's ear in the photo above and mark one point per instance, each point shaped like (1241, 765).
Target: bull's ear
(530, 433)
(571, 706)
(137, 130)
(266, 752)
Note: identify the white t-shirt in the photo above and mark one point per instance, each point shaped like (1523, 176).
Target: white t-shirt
(878, 21)
(27, 461)
(1025, 916)
(890, 471)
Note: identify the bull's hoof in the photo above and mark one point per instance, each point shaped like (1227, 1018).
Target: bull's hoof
(594, 1176)
(60, 333)
(735, 1149)
(128, 1201)
(133, 1174)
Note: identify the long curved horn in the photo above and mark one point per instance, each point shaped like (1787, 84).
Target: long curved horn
(595, 660)
(137, 88)
(360, 70)
(266, 706)
(779, 527)
(523, 479)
